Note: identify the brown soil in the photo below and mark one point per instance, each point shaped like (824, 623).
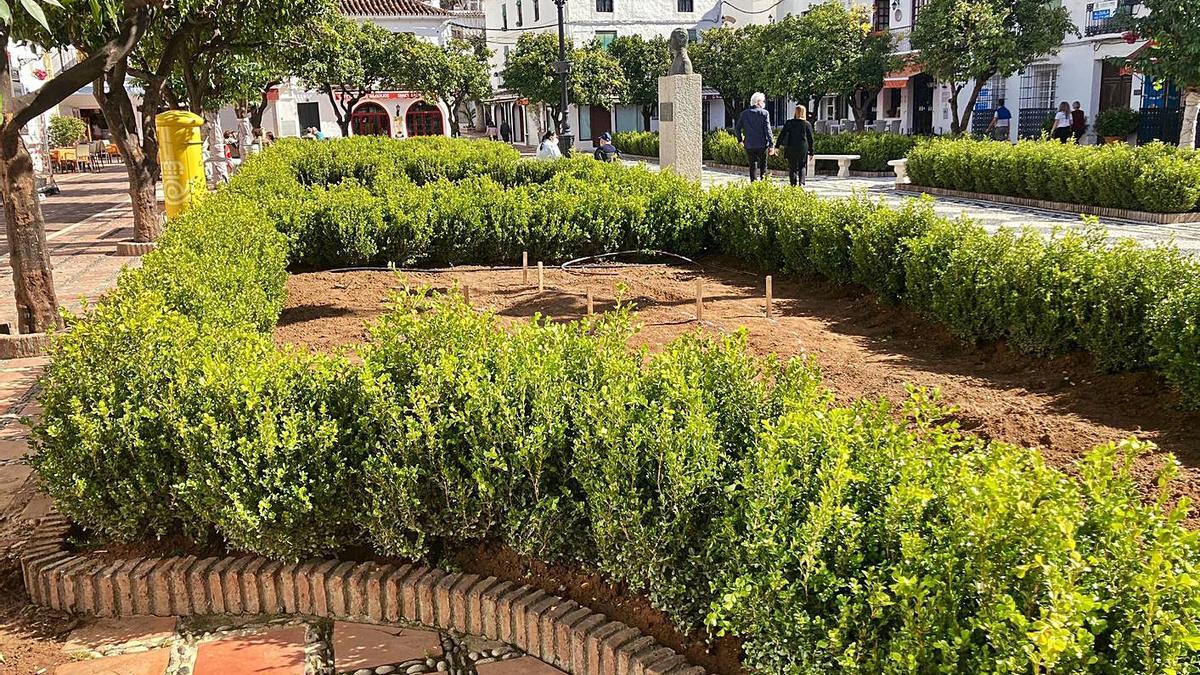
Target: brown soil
(593, 591)
(865, 349)
(31, 638)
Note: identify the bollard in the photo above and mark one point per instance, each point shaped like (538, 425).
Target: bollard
(180, 151)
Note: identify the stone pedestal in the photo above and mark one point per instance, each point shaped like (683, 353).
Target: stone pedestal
(681, 124)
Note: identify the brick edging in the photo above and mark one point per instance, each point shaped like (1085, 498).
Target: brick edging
(552, 629)
(1152, 218)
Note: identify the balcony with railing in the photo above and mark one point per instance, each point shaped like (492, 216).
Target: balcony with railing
(1107, 17)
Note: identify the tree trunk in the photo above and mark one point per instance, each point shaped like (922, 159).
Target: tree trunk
(138, 151)
(647, 111)
(1191, 109)
(961, 123)
(33, 278)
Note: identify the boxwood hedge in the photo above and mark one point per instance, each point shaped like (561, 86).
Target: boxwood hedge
(1155, 177)
(876, 149)
(732, 489)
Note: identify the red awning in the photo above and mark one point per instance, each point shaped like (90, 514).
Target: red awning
(898, 79)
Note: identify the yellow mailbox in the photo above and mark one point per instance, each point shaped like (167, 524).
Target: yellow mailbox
(181, 154)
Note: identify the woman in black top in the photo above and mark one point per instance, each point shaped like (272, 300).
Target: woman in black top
(796, 139)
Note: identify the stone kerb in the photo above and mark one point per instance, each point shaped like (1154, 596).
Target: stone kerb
(553, 629)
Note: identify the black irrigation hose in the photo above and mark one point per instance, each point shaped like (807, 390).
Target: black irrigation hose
(567, 266)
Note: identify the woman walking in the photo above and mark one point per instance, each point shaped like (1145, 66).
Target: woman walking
(1062, 123)
(796, 141)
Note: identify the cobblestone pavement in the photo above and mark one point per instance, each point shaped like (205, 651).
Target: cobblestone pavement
(223, 645)
(992, 216)
(84, 223)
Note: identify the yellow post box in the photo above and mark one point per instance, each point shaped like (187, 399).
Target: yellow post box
(181, 155)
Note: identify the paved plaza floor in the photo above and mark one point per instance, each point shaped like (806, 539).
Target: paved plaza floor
(992, 216)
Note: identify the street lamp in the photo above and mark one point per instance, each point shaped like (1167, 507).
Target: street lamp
(563, 68)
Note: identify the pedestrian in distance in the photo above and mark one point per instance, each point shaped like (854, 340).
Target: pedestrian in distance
(796, 141)
(753, 131)
(1061, 131)
(1001, 122)
(491, 129)
(606, 151)
(506, 132)
(548, 149)
(1078, 121)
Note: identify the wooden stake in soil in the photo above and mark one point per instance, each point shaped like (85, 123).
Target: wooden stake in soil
(541, 278)
(467, 294)
(768, 296)
(589, 300)
(699, 299)
(524, 267)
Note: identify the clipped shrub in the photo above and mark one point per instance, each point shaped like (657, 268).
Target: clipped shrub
(1155, 177)
(642, 143)
(879, 247)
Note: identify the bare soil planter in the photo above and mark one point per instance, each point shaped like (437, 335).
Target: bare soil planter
(1191, 217)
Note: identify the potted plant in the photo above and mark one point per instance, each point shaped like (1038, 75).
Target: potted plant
(1116, 124)
(65, 131)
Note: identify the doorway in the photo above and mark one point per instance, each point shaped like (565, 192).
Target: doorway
(922, 106)
(423, 119)
(600, 121)
(370, 119)
(309, 115)
(1116, 85)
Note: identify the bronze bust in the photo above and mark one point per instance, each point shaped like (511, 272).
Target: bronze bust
(681, 63)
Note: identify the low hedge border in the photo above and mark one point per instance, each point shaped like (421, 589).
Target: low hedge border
(1189, 218)
(733, 490)
(553, 629)
(721, 148)
(1154, 177)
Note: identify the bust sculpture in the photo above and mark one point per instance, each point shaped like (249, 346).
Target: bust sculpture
(681, 63)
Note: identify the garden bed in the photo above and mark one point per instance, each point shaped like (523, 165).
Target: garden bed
(864, 349)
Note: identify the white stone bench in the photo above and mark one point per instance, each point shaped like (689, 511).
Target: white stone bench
(900, 166)
(842, 160)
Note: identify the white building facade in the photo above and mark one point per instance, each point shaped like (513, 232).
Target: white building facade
(1087, 68)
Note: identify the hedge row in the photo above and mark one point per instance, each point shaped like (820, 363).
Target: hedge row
(876, 149)
(732, 489)
(1155, 177)
(369, 202)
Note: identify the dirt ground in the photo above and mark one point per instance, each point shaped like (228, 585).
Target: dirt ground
(864, 349)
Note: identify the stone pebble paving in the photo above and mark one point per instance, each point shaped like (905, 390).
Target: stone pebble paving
(285, 645)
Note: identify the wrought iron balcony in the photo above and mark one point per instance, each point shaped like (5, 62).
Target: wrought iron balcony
(1105, 17)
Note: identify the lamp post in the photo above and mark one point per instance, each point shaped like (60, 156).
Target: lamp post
(563, 68)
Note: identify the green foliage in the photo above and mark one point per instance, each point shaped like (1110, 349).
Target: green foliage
(730, 488)
(1154, 177)
(596, 76)
(66, 131)
(643, 62)
(1116, 122)
(643, 143)
(961, 41)
(876, 149)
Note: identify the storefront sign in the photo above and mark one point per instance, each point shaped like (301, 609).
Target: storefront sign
(1103, 9)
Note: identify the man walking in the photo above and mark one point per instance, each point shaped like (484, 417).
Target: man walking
(506, 132)
(1001, 119)
(753, 131)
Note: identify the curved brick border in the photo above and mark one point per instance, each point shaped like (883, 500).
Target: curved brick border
(1191, 217)
(555, 630)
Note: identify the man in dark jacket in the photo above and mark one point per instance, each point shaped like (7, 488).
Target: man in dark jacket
(606, 151)
(796, 140)
(753, 131)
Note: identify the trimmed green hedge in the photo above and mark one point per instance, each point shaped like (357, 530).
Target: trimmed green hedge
(1155, 177)
(877, 149)
(730, 487)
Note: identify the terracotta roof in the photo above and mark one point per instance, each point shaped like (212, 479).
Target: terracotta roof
(390, 8)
